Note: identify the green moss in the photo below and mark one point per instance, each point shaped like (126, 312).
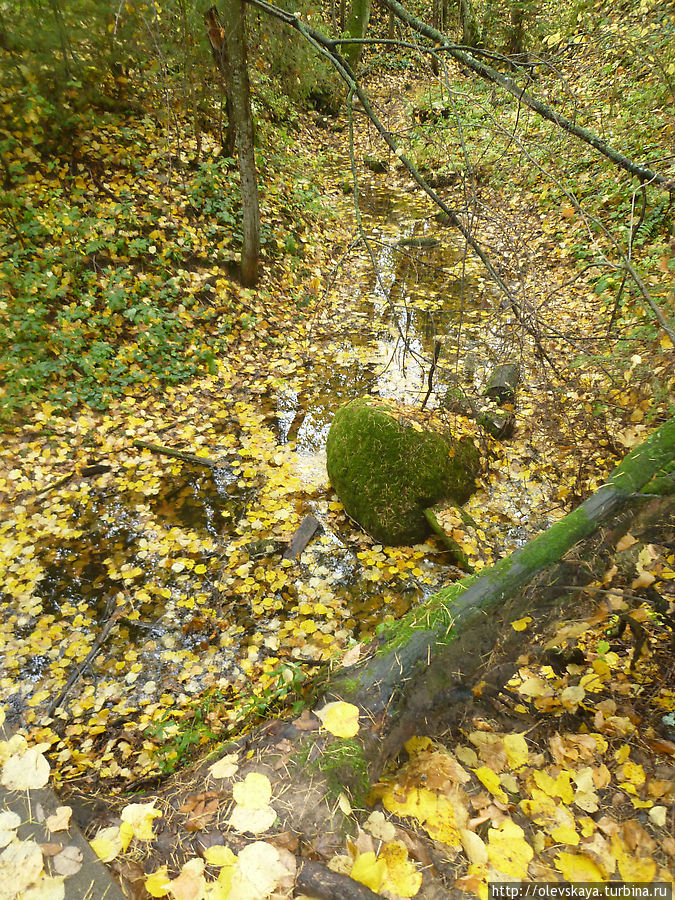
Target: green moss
(343, 764)
(387, 469)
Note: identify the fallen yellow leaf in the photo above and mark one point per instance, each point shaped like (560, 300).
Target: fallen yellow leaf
(340, 718)
(508, 851)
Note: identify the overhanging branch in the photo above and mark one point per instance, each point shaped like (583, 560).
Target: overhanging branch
(508, 84)
(328, 48)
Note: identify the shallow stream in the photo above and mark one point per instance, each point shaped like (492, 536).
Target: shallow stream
(226, 610)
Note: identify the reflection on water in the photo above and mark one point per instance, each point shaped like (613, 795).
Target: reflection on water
(196, 616)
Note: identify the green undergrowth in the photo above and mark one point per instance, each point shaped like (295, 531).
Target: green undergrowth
(342, 762)
(119, 255)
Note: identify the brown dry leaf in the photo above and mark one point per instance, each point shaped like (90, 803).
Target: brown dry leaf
(661, 745)
(199, 800)
(352, 656)
(201, 813)
(191, 883)
(644, 579)
(490, 749)
(60, 820)
(306, 721)
(625, 542)
(636, 838)
(631, 867)
(51, 849)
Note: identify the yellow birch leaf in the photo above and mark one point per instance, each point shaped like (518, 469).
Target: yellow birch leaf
(631, 867)
(225, 767)
(416, 745)
(474, 882)
(254, 792)
(658, 815)
(534, 687)
(508, 851)
(126, 834)
(140, 817)
(401, 877)
(555, 787)
(25, 771)
(107, 844)
(340, 718)
(255, 821)
(577, 867)
(442, 826)
(369, 870)
(565, 834)
(491, 781)
(633, 773)
(48, 887)
(21, 863)
(517, 751)
(219, 855)
(217, 890)
(572, 696)
(157, 884)
(9, 822)
(474, 847)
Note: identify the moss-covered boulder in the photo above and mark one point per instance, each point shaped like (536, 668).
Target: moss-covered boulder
(387, 467)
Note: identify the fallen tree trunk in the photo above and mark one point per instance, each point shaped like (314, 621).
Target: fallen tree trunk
(420, 674)
(455, 629)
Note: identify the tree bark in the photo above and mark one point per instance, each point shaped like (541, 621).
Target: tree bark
(216, 35)
(470, 30)
(357, 23)
(240, 93)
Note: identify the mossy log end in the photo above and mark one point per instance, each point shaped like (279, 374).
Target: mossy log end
(459, 623)
(502, 384)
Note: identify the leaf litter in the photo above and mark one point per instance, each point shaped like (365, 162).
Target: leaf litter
(191, 556)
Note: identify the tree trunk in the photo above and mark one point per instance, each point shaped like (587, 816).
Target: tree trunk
(455, 629)
(515, 44)
(470, 31)
(216, 35)
(357, 23)
(239, 91)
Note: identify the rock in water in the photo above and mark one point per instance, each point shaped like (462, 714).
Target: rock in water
(387, 468)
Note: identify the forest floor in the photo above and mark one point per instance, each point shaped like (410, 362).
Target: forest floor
(148, 614)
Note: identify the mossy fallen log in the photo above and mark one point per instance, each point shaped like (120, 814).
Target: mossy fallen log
(378, 166)
(405, 651)
(502, 383)
(498, 423)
